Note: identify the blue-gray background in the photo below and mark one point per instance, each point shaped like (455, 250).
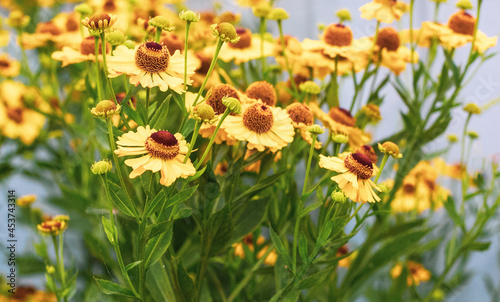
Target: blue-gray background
(305, 16)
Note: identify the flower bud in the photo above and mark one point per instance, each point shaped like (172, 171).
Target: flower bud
(115, 38)
(472, 135)
(338, 196)
(372, 112)
(50, 269)
(26, 200)
(189, 16)
(316, 129)
(99, 22)
(472, 108)
(464, 4)
(390, 148)
(204, 112)
(84, 9)
(261, 10)
(101, 167)
(105, 108)
(129, 44)
(278, 14)
(161, 22)
(310, 87)
(344, 15)
(452, 138)
(340, 138)
(225, 31)
(232, 103)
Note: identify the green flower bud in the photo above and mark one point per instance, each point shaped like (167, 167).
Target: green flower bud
(84, 9)
(232, 103)
(452, 138)
(189, 16)
(310, 87)
(338, 196)
(390, 148)
(105, 109)
(130, 44)
(464, 4)
(472, 108)
(473, 135)
(278, 14)
(161, 22)
(225, 31)
(344, 15)
(204, 112)
(316, 129)
(50, 269)
(261, 10)
(101, 167)
(115, 38)
(340, 139)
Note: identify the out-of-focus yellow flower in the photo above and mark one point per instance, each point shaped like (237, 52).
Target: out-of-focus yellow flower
(302, 117)
(70, 56)
(4, 37)
(248, 241)
(26, 200)
(31, 294)
(385, 11)
(9, 68)
(347, 260)
(416, 273)
(54, 226)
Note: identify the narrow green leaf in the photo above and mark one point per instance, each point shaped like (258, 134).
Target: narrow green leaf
(303, 247)
(449, 205)
(185, 283)
(310, 208)
(121, 200)
(155, 204)
(181, 196)
(315, 279)
(109, 230)
(157, 246)
(158, 228)
(221, 230)
(478, 246)
(264, 183)
(110, 288)
(280, 248)
(160, 114)
(132, 265)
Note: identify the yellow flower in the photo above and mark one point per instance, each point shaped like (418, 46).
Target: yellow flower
(248, 241)
(9, 67)
(302, 117)
(385, 11)
(159, 150)
(354, 176)
(26, 200)
(343, 251)
(262, 126)
(4, 37)
(53, 226)
(416, 273)
(150, 64)
(63, 30)
(340, 121)
(16, 120)
(70, 56)
(246, 49)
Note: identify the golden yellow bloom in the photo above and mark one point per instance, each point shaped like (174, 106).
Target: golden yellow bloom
(150, 64)
(159, 150)
(342, 252)
(354, 176)
(29, 294)
(416, 273)
(261, 126)
(26, 200)
(4, 37)
(385, 11)
(53, 226)
(302, 117)
(9, 67)
(16, 120)
(70, 56)
(248, 241)
(62, 30)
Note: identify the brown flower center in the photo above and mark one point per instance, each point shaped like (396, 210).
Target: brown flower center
(4, 63)
(300, 113)
(409, 188)
(217, 93)
(343, 250)
(48, 28)
(109, 5)
(15, 114)
(248, 239)
(245, 38)
(205, 62)
(162, 144)
(360, 165)
(388, 38)
(258, 118)
(72, 25)
(368, 151)
(462, 23)
(152, 57)
(263, 91)
(342, 116)
(99, 17)
(87, 47)
(338, 35)
(172, 42)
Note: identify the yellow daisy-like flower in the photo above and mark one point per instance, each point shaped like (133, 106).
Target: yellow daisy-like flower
(54, 226)
(340, 121)
(9, 67)
(354, 176)
(160, 150)
(248, 241)
(385, 11)
(70, 56)
(262, 126)
(246, 49)
(416, 273)
(56, 31)
(302, 117)
(150, 64)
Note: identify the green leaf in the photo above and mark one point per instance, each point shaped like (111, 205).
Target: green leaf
(160, 114)
(303, 247)
(249, 218)
(158, 228)
(221, 230)
(181, 196)
(132, 265)
(264, 183)
(110, 288)
(449, 205)
(185, 283)
(310, 208)
(109, 230)
(478, 246)
(280, 248)
(315, 279)
(121, 200)
(159, 284)
(157, 246)
(196, 175)
(155, 204)
(41, 249)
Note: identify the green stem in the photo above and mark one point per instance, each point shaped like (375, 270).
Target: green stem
(244, 75)
(262, 30)
(301, 205)
(105, 67)
(336, 84)
(212, 65)
(382, 165)
(157, 35)
(197, 127)
(283, 53)
(115, 157)
(209, 146)
(98, 70)
(148, 95)
(188, 25)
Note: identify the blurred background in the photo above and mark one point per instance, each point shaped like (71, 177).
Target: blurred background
(305, 16)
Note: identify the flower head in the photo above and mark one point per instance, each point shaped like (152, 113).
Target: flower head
(204, 113)
(472, 108)
(383, 10)
(101, 167)
(105, 109)
(159, 150)
(26, 200)
(189, 16)
(263, 91)
(225, 31)
(416, 273)
(54, 226)
(161, 22)
(390, 148)
(278, 14)
(99, 22)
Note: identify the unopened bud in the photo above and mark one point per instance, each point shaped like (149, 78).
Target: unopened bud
(232, 103)
(189, 16)
(390, 148)
(101, 167)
